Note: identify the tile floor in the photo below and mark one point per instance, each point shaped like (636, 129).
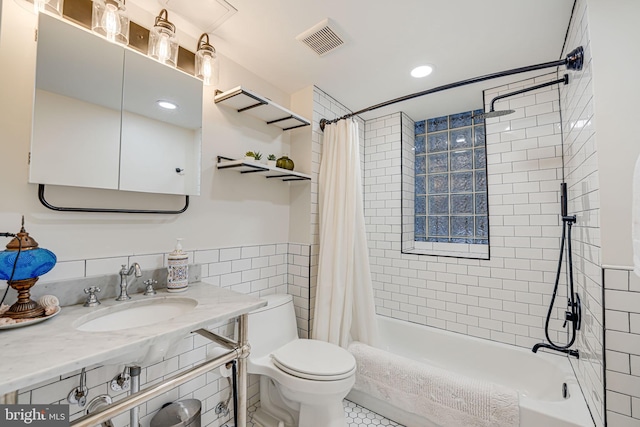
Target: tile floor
(356, 416)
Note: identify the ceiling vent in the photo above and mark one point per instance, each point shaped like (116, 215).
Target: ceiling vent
(322, 38)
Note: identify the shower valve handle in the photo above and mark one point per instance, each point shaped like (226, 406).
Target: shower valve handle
(568, 316)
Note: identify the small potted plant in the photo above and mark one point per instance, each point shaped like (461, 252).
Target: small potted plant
(271, 160)
(249, 156)
(257, 155)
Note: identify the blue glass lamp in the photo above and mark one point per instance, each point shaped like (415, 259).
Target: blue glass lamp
(32, 262)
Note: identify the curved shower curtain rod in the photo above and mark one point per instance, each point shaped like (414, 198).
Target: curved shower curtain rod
(573, 61)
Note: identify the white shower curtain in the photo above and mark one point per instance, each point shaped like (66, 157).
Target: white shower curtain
(344, 309)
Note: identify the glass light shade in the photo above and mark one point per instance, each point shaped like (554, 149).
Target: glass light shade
(163, 43)
(109, 19)
(32, 263)
(206, 62)
(51, 6)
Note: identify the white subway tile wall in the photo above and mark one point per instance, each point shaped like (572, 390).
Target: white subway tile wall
(581, 175)
(505, 298)
(298, 285)
(622, 354)
(408, 182)
(257, 270)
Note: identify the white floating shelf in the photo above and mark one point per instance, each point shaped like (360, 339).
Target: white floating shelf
(243, 100)
(244, 166)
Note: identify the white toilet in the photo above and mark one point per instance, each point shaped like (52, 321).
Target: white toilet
(302, 381)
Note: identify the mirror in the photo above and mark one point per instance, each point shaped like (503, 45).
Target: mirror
(157, 141)
(76, 119)
(97, 122)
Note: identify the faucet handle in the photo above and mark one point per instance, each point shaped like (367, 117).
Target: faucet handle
(92, 299)
(149, 290)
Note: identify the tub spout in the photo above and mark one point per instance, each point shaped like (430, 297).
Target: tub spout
(570, 352)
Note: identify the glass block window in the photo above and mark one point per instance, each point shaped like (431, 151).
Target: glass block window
(451, 180)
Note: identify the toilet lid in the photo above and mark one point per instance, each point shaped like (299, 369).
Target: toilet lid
(315, 360)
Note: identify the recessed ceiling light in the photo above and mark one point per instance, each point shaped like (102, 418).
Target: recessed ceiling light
(421, 71)
(168, 105)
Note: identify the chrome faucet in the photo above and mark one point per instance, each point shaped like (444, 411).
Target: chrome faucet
(134, 269)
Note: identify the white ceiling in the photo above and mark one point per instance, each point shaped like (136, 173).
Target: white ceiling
(385, 39)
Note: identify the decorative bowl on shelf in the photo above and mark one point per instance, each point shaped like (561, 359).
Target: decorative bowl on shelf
(285, 162)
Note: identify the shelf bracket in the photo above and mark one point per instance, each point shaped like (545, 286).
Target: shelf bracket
(229, 163)
(243, 100)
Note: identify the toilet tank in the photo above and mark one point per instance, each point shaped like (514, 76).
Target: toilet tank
(272, 326)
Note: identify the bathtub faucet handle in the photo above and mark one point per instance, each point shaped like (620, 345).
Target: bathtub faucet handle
(568, 316)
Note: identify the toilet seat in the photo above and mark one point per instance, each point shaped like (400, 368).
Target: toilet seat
(314, 360)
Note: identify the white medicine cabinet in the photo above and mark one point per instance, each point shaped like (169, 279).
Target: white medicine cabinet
(97, 122)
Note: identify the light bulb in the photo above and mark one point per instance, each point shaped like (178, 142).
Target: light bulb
(38, 5)
(207, 69)
(163, 43)
(111, 21)
(164, 48)
(206, 61)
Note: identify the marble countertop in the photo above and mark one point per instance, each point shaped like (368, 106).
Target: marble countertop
(38, 352)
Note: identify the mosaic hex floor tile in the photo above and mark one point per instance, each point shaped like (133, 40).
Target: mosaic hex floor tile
(355, 415)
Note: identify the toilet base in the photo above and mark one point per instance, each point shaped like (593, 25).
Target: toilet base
(278, 410)
(274, 411)
(261, 418)
(310, 416)
(322, 416)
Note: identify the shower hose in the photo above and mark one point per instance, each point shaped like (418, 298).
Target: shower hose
(573, 314)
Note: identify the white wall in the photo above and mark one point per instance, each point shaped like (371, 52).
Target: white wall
(614, 32)
(300, 195)
(223, 215)
(609, 31)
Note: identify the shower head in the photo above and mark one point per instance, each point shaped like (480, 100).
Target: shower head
(491, 114)
(573, 61)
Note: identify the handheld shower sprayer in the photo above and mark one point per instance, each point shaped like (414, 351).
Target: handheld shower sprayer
(573, 313)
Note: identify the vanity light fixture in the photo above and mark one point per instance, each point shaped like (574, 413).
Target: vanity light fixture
(109, 19)
(206, 61)
(168, 105)
(20, 265)
(421, 71)
(51, 6)
(163, 43)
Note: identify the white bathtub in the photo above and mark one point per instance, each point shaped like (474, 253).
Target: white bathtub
(538, 378)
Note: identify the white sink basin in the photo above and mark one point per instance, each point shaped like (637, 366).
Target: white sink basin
(135, 314)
